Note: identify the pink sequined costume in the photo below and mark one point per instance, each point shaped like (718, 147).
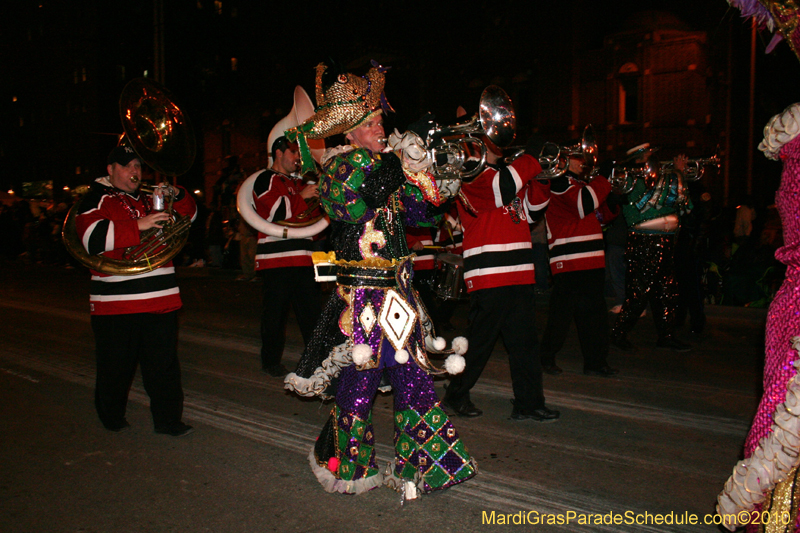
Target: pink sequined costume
(783, 319)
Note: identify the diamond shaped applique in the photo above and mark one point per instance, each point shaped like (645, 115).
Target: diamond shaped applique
(436, 476)
(405, 446)
(407, 419)
(436, 447)
(364, 455)
(397, 319)
(435, 418)
(367, 318)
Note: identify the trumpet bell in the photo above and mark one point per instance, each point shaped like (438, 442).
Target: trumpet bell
(157, 129)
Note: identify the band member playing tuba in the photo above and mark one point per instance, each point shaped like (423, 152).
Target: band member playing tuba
(134, 317)
(652, 214)
(284, 263)
(374, 323)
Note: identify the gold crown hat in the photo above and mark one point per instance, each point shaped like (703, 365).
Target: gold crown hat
(344, 102)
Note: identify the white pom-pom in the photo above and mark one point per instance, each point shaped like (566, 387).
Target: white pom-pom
(401, 356)
(361, 353)
(454, 364)
(460, 345)
(439, 343)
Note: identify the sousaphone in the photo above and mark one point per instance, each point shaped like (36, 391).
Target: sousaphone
(162, 137)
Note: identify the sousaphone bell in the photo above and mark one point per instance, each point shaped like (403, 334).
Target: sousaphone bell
(163, 138)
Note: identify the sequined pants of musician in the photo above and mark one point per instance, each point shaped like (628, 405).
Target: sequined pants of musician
(428, 449)
(650, 278)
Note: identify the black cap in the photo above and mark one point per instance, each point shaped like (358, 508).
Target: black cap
(122, 155)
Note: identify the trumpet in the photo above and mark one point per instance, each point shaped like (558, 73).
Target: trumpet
(623, 178)
(695, 168)
(556, 163)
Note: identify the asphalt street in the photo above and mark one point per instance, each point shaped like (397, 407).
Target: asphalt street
(658, 440)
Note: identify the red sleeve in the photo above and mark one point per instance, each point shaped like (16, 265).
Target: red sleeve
(103, 225)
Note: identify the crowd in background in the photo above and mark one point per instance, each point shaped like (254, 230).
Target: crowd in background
(732, 248)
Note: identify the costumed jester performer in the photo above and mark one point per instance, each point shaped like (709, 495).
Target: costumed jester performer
(374, 322)
(767, 479)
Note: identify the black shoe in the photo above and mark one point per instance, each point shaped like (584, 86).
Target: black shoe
(543, 414)
(604, 371)
(276, 371)
(179, 429)
(673, 344)
(553, 369)
(466, 408)
(622, 343)
(120, 426)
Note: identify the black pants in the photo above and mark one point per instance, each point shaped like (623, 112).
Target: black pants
(125, 341)
(282, 287)
(650, 278)
(510, 312)
(578, 296)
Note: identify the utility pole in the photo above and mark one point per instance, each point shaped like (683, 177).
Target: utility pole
(751, 110)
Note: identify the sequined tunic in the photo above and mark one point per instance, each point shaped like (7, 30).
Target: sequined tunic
(783, 318)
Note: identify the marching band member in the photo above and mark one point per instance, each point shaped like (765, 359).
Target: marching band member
(577, 262)
(498, 272)
(373, 323)
(652, 214)
(284, 264)
(134, 318)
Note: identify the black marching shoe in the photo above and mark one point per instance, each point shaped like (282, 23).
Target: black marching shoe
(178, 429)
(603, 371)
(465, 408)
(553, 369)
(276, 371)
(543, 414)
(673, 344)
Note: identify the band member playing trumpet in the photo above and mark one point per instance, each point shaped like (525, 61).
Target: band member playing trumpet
(577, 262)
(134, 317)
(373, 324)
(652, 214)
(498, 271)
(284, 264)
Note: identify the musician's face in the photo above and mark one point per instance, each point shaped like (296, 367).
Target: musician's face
(126, 178)
(576, 165)
(369, 135)
(287, 161)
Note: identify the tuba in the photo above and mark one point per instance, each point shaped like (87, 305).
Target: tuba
(162, 137)
(306, 226)
(447, 144)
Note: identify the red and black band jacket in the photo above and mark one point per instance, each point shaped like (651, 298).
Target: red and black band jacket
(107, 224)
(574, 233)
(277, 198)
(494, 210)
(423, 259)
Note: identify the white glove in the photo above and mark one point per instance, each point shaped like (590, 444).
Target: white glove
(415, 156)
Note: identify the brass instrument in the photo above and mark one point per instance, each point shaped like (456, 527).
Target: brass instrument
(623, 178)
(306, 225)
(556, 163)
(447, 144)
(695, 168)
(162, 137)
